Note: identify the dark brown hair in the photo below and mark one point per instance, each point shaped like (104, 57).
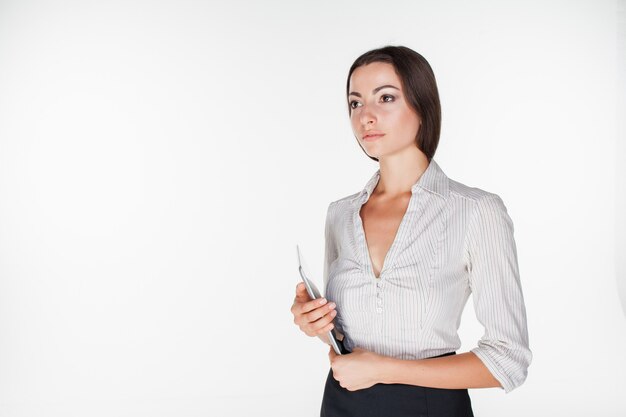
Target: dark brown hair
(420, 90)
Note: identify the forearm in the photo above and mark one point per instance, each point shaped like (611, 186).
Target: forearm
(460, 371)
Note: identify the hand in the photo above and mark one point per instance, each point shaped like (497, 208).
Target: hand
(314, 317)
(357, 370)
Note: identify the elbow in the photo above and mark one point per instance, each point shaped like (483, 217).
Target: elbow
(507, 363)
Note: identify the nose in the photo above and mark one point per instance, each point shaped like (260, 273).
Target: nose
(367, 116)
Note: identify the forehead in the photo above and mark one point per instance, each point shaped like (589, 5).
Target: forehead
(367, 77)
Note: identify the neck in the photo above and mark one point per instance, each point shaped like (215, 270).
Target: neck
(398, 173)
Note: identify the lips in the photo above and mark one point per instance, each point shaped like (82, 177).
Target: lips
(372, 136)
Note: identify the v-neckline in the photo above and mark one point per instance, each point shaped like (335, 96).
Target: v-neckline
(389, 254)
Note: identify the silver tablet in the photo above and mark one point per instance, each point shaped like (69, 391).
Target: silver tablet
(314, 294)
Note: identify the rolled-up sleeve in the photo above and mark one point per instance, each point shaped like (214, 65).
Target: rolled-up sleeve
(497, 293)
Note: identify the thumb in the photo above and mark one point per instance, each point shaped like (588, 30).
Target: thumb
(301, 294)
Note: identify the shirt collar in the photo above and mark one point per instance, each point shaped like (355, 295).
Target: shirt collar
(433, 180)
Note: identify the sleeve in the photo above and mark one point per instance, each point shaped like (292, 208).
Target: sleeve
(330, 251)
(497, 293)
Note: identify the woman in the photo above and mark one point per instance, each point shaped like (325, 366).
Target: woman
(402, 257)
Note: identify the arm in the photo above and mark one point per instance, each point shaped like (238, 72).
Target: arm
(363, 368)
(452, 372)
(497, 293)
(330, 247)
(315, 317)
(330, 254)
(502, 356)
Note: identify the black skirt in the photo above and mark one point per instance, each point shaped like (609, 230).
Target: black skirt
(394, 400)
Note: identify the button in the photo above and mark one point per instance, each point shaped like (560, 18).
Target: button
(380, 301)
(379, 309)
(378, 285)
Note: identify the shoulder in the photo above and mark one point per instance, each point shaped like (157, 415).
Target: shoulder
(343, 202)
(486, 216)
(477, 204)
(340, 209)
(471, 194)
(346, 200)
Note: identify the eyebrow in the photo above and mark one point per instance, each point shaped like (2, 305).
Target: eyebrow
(374, 91)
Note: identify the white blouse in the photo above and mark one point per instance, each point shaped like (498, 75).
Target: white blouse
(453, 240)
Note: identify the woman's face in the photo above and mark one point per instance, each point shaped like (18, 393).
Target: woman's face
(379, 107)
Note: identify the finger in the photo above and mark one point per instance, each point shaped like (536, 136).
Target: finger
(312, 305)
(316, 322)
(323, 329)
(322, 326)
(320, 312)
(318, 327)
(310, 331)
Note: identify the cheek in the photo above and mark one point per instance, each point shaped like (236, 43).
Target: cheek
(408, 117)
(354, 121)
(402, 123)
(409, 123)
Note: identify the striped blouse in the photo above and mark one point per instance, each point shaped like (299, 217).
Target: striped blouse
(452, 241)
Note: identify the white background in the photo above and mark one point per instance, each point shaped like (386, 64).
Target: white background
(159, 160)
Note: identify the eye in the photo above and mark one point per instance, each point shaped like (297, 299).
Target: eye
(353, 102)
(388, 95)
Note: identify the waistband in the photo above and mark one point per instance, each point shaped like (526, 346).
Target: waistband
(445, 354)
(346, 351)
